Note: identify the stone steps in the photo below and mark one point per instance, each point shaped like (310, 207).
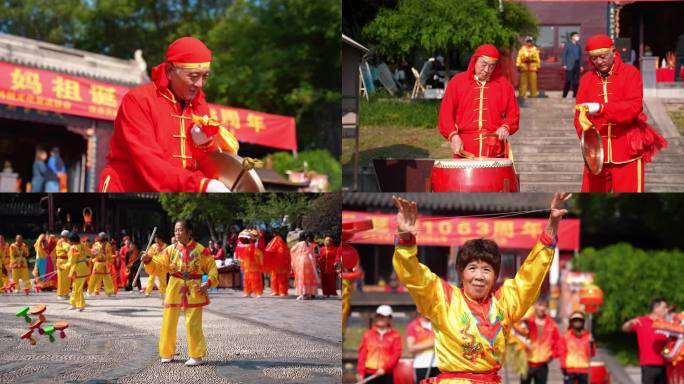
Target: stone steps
(548, 155)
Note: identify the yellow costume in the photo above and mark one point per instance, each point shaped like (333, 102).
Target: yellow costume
(470, 337)
(19, 263)
(4, 262)
(155, 251)
(63, 282)
(102, 258)
(528, 63)
(78, 271)
(186, 265)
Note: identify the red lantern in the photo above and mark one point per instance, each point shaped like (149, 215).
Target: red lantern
(349, 256)
(591, 296)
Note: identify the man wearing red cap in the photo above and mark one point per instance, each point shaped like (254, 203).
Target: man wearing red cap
(156, 146)
(479, 110)
(612, 94)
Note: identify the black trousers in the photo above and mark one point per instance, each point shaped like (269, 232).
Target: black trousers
(679, 61)
(384, 379)
(421, 372)
(572, 378)
(572, 78)
(653, 374)
(134, 270)
(538, 374)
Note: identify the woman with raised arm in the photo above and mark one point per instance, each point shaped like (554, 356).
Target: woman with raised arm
(471, 322)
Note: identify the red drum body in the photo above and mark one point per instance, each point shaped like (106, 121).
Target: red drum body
(429, 380)
(598, 373)
(474, 175)
(403, 372)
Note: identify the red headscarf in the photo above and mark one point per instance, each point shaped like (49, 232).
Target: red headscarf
(598, 43)
(490, 52)
(185, 50)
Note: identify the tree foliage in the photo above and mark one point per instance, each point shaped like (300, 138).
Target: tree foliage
(630, 278)
(443, 25)
(324, 216)
(648, 220)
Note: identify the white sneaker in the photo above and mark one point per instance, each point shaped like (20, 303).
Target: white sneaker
(163, 360)
(60, 297)
(71, 308)
(87, 294)
(193, 362)
(147, 294)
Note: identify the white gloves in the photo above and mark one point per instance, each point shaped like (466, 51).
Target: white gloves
(216, 186)
(593, 107)
(198, 136)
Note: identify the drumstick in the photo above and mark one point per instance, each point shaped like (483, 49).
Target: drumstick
(369, 378)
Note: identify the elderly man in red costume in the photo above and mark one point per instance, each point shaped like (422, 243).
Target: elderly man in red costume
(161, 130)
(479, 110)
(613, 97)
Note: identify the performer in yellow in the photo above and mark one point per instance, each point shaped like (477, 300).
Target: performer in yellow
(102, 259)
(528, 62)
(62, 250)
(472, 323)
(78, 270)
(19, 253)
(4, 261)
(155, 251)
(186, 262)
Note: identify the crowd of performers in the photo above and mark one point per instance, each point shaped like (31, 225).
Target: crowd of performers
(184, 271)
(465, 333)
(76, 268)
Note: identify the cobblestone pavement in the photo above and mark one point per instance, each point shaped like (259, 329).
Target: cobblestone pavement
(249, 340)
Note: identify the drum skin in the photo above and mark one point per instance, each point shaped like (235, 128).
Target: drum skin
(489, 175)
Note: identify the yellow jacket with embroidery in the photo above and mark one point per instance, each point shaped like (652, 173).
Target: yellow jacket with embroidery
(462, 342)
(528, 59)
(194, 260)
(102, 256)
(77, 263)
(18, 255)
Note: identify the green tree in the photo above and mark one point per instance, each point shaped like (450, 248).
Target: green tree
(282, 56)
(630, 278)
(649, 220)
(271, 207)
(212, 209)
(324, 216)
(445, 25)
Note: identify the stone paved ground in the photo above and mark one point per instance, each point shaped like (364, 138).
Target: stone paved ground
(266, 340)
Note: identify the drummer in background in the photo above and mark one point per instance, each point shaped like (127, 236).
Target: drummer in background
(156, 146)
(379, 350)
(479, 109)
(472, 322)
(545, 343)
(420, 341)
(576, 350)
(650, 343)
(613, 95)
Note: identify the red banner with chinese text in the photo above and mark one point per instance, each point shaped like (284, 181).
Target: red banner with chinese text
(511, 233)
(61, 93)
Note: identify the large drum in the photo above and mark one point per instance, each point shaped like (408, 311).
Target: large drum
(474, 175)
(403, 372)
(598, 373)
